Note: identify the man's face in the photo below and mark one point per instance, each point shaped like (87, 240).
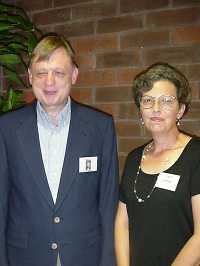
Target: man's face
(52, 79)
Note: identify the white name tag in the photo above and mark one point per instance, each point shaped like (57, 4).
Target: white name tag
(167, 181)
(88, 164)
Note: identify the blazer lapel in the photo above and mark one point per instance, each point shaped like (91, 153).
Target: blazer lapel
(76, 139)
(28, 137)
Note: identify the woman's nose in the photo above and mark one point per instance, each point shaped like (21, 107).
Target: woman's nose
(156, 106)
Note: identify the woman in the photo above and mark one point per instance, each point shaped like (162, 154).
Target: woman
(158, 218)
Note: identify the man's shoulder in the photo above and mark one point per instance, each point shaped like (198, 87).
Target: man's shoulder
(18, 115)
(92, 119)
(90, 113)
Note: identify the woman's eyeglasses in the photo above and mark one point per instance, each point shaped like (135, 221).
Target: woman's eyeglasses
(165, 101)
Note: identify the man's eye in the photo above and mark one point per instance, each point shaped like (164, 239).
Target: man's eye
(41, 74)
(60, 74)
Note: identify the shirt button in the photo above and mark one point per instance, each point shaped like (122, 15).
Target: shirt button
(54, 246)
(56, 220)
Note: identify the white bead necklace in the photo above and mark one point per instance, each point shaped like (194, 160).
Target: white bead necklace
(148, 149)
(138, 198)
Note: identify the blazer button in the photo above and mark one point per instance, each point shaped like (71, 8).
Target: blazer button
(54, 246)
(56, 220)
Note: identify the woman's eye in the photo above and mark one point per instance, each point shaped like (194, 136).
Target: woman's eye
(147, 100)
(166, 100)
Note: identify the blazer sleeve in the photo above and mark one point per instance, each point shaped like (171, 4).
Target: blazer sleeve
(3, 201)
(109, 194)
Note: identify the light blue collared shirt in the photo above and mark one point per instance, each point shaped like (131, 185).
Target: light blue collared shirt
(53, 141)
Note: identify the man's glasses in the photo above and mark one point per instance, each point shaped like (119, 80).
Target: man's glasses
(165, 101)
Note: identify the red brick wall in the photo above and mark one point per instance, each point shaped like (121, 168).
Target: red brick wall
(114, 40)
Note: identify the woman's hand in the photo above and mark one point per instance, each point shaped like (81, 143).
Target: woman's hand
(190, 253)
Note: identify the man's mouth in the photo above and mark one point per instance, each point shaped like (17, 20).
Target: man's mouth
(50, 92)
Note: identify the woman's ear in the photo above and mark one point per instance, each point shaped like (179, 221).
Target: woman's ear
(181, 111)
(140, 118)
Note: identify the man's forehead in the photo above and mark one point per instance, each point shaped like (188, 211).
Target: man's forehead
(52, 64)
(58, 54)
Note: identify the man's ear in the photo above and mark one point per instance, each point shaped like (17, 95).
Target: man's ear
(30, 76)
(74, 75)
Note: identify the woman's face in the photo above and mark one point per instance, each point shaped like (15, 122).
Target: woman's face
(160, 109)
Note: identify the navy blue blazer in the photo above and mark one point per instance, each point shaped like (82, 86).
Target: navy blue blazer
(80, 224)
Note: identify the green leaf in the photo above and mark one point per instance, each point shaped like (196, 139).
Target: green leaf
(10, 35)
(4, 49)
(16, 20)
(32, 41)
(4, 7)
(13, 9)
(12, 48)
(6, 26)
(18, 37)
(12, 100)
(13, 76)
(17, 47)
(9, 67)
(10, 59)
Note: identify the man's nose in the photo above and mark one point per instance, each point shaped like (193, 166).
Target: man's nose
(50, 78)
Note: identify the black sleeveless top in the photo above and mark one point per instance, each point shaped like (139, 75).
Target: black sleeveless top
(161, 225)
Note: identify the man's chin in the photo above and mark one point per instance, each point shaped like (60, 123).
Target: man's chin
(47, 104)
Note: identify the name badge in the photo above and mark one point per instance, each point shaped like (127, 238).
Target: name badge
(167, 181)
(88, 164)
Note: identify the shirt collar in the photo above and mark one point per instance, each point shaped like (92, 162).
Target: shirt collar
(63, 116)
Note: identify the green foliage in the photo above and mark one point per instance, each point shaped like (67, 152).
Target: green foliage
(10, 101)
(18, 37)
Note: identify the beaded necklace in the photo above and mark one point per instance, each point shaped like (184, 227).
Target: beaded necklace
(138, 198)
(148, 149)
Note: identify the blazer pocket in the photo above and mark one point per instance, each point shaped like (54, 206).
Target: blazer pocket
(84, 241)
(17, 239)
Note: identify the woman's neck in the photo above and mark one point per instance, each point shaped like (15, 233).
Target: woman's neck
(166, 142)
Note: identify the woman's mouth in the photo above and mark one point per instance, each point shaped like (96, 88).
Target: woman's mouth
(156, 119)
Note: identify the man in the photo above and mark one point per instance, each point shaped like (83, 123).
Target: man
(54, 208)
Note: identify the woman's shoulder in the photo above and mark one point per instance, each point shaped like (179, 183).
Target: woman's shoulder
(192, 149)
(136, 153)
(196, 139)
(194, 143)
